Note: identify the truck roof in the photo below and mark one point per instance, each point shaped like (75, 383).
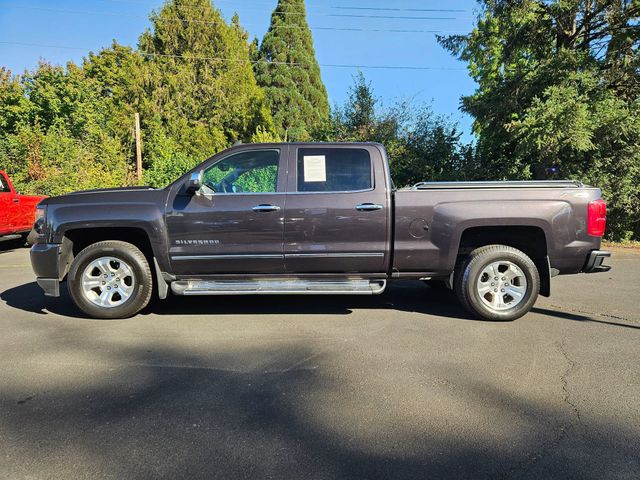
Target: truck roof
(312, 144)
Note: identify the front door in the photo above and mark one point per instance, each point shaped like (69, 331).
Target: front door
(235, 223)
(8, 207)
(337, 218)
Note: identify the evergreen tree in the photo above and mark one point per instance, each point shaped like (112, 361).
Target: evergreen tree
(201, 94)
(559, 91)
(290, 74)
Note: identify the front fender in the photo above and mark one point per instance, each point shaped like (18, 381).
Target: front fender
(148, 217)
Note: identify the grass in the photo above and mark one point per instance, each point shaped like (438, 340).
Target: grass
(627, 244)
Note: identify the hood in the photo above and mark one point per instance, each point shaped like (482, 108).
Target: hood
(114, 189)
(108, 195)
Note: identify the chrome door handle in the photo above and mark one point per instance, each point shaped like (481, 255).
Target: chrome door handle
(16, 200)
(369, 207)
(266, 208)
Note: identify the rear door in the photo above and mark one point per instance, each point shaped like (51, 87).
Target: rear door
(235, 223)
(337, 217)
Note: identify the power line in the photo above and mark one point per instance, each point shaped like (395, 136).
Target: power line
(235, 60)
(352, 15)
(378, 30)
(383, 9)
(191, 20)
(221, 21)
(334, 7)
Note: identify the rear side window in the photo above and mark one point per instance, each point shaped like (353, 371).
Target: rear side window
(334, 170)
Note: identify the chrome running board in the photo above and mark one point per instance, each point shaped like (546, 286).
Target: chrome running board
(278, 287)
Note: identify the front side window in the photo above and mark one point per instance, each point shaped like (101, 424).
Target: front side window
(4, 187)
(246, 172)
(334, 170)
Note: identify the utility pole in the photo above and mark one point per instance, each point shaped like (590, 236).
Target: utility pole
(138, 149)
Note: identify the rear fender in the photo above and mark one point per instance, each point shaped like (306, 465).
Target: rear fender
(452, 219)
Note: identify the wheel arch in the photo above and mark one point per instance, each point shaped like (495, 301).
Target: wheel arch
(530, 239)
(80, 238)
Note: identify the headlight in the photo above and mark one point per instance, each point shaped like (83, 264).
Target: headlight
(38, 225)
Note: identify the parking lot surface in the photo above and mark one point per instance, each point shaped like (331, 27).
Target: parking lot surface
(404, 385)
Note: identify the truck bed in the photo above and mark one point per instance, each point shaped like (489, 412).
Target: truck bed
(431, 217)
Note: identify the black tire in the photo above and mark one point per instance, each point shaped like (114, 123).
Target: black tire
(142, 287)
(469, 272)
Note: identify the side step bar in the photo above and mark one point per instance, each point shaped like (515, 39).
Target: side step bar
(276, 286)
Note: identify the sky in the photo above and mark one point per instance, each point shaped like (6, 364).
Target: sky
(63, 30)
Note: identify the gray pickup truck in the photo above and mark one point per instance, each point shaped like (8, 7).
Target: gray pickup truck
(326, 219)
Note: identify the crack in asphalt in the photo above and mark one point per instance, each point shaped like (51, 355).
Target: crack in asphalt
(565, 382)
(563, 429)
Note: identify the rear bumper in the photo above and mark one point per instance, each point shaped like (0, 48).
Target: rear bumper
(594, 262)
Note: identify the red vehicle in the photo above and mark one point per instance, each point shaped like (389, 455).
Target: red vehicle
(17, 212)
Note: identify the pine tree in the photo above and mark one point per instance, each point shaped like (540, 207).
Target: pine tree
(201, 91)
(290, 74)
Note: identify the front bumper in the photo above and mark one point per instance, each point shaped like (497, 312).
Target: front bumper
(50, 263)
(32, 238)
(594, 262)
(50, 286)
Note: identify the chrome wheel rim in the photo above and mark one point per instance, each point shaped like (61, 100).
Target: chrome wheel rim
(502, 285)
(108, 282)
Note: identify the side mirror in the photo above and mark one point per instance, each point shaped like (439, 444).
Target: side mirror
(194, 183)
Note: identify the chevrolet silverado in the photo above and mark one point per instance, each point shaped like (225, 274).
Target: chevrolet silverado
(309, 218)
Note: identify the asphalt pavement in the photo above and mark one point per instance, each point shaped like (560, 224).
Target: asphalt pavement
(401, 386)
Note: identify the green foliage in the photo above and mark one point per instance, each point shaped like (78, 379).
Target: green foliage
(200, 92)
(192, 83)
(421, 146)
(262, 135)
(558, 86)
(13, 105)
(290, 75)
(56, 135)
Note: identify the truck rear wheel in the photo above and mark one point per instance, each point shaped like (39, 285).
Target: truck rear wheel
(110, 279)
(497, 282)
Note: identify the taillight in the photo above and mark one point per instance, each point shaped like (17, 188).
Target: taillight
(597, 218)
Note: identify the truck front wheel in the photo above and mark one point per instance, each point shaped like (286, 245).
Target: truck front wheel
(110, 279)
(497, 282)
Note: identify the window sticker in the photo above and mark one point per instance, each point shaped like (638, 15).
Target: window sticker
(315, 168)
